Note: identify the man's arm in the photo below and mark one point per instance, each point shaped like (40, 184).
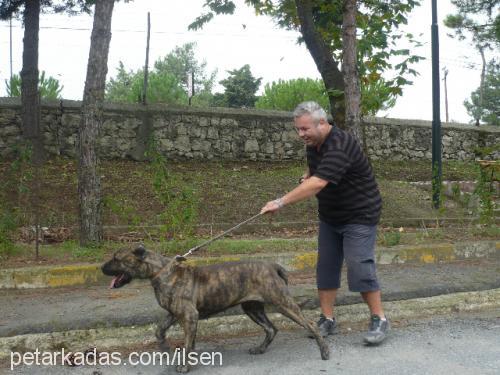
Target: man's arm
(310, 187)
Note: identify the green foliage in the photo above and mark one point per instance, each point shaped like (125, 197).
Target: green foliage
(484, 190)
(49, 88)
(8, 224)
(127, 87)
(478, 18)
(181, 62)
(240, 88)
(285, 95)
(14, 195)
(179, 199)
(167, 81)
(124, 212)
(392, 238)
(489, 111)
(12, 7)
(379, 37)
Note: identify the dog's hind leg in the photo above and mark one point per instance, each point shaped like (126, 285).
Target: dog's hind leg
(161, 330)
(255, 311)
(290, 309)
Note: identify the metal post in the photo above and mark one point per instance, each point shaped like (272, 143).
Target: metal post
(436, 121)
(10, 28)
(445, 72)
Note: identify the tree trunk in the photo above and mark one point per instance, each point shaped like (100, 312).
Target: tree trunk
(352, 93)
(89, 187)
(29, 81)
(323, 57)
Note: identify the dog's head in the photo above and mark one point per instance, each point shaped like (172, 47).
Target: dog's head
(127, 265)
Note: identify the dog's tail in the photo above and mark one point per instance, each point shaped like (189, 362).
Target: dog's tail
(281, 273)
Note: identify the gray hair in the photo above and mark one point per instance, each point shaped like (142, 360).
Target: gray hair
(310, 108)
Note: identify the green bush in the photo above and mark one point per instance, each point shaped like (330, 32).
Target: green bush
(285, 95)
(50, 88)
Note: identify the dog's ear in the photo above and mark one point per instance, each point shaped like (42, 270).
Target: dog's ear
(140, 252)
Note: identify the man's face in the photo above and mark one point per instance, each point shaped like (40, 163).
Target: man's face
(308, 130)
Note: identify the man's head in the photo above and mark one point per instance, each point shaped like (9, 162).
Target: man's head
(311, 123)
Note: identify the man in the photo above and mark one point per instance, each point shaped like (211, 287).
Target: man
(349, 206)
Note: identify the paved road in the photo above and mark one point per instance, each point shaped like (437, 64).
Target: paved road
(459, 344)
(58, 309)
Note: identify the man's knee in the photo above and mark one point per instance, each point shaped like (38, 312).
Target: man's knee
(362, 275)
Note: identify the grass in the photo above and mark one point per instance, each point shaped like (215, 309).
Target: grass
(70, 252)
(229, 192)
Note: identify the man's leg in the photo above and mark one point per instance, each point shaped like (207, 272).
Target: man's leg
(359, 251)
(374, 302)
(330, 259)
(327, 301)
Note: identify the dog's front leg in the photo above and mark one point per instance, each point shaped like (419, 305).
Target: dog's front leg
(161, 330)
(190, 325)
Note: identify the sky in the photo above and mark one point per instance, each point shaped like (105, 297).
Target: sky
(229, 42)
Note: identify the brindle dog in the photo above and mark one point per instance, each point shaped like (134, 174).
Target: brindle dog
(191, 293)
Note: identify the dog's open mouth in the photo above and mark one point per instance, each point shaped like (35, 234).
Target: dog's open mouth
(120, 280)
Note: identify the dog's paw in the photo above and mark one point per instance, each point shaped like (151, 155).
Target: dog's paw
(182, 369)
(257, 350)
(325, 353)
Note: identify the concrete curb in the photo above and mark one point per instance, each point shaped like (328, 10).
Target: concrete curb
(223, 326)
(90, 274)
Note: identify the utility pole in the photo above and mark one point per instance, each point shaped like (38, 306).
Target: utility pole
(146, 65)
(190, 87)
(445, 72)
(436, 120)
(10, 29)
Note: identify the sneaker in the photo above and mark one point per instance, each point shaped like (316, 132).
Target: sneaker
(326, 326)
(377, 330)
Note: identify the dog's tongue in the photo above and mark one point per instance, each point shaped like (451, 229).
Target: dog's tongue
(114, 280)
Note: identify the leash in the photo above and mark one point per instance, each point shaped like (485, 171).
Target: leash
(192, 250)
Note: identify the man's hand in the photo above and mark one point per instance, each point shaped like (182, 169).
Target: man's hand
(272, 206)
(304, 177)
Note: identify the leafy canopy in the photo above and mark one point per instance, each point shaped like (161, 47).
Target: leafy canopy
(478, 18)
(489, 111)
(12, 8)
(167, 81)
(49, 88)
(240, 88)
(378, 44)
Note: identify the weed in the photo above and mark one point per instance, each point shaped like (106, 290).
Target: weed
(179, 199)
(391, 238)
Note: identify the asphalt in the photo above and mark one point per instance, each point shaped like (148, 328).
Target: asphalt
(459, 344)
(46, 310)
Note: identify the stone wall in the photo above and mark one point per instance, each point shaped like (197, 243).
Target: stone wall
(220, 133)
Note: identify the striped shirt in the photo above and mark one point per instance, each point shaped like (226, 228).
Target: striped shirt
(352, 195)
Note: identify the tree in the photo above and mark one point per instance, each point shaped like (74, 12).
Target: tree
(352, 91)
(89, 190)
(163, 87)
(487, 109)
(483, 29)
(320, 22)
(240, 88)
(49, 88)
(284, 95)
(181, 62)
(30, 10)
(168, 80)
